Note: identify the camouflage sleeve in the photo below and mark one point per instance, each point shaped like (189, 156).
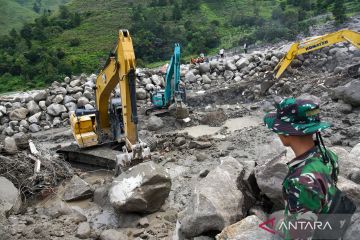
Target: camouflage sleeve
(304, 202)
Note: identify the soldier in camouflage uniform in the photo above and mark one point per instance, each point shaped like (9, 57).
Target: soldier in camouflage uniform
(310, 186)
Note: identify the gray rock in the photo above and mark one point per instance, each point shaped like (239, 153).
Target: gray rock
(9, 131)
(143, 222)
(71, 106)
(248, 229)
(101, 197)
(272, 169)
(67, 80)
(229, 75)
(157, 80)
(3, 109)
(58, 98)
(190, 77)
(10, 199)
(77, 95)
(56, 121)
(351, 189)
(242, 63)
(57, 209)
(76, 82)
(56, 109)
(42, 105)
(82, 101)
(146, 81)
(204, 68)
(206, 79)
(141, 94)
(33, 107)
(10, 145)
(89, 107)
(40, 95)
(150, 87)
(88, 95)
(353, 231)
(230, 66)
(83, 230)
(199, 144)
(354, 175)
(21, 140)
(34, 128)
(143, 188)
(179, 141)
(154, 123)
(349, 93)
(77, 189)
(208, 210)
(18, 114)
(112, 234)
(35, 118)
(68, 99)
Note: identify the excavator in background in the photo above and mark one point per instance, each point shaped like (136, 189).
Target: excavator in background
(107, 136)
(316, 43)
(174, 95)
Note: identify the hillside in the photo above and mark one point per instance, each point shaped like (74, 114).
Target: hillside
(79, 37)
(14, 13)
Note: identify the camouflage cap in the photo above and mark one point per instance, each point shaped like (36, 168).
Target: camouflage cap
(295, 117)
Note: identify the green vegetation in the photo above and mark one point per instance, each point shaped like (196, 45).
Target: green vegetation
(15, 13)
(77, 38)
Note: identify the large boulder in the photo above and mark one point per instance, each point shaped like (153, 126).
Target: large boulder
(204, 68)
(77, 189)
(56, 109)
(154, 123)
(248, 229)
(229, 65)
(35, 118)
(82, 101)
(351, 189)
(272, 169)
(33, 107)
(40, 95)
(157, 80)
(141, 189)
(10, 199)
(208, 209)
(10, 145)
(21, 140)
(190, 77)
(229, 75)
(141, 94)
(242, 63)
(349, 93)
(18, 114)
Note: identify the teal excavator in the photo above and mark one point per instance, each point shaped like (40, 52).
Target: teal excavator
(174, 95)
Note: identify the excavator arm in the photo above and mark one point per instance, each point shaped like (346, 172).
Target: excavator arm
(114, 121)
(120, 69)
(316, 43)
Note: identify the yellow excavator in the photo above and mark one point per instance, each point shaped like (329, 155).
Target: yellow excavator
(107, 136)
(316, 43)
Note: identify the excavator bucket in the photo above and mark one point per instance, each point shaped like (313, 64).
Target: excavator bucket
(182, 112)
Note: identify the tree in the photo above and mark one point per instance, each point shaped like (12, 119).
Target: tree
(36, 7)
(64, 12)
(176, 14)
(339, 11)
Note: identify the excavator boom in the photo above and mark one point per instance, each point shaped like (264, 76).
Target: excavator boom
(113, 121)
(316, 43)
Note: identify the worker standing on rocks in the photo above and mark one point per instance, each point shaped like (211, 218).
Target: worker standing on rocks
(221, 53)
(309, 189)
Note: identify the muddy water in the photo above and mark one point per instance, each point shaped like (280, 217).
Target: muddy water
(231, 125)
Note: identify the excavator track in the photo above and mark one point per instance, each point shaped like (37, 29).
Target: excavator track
(100, 156)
